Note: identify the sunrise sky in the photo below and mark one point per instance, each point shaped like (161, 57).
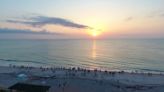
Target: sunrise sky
(81, 19)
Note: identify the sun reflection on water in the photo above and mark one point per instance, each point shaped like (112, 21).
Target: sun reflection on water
(94, 57)
(94, 50)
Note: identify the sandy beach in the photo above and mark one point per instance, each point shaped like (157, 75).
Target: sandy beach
(82, 80)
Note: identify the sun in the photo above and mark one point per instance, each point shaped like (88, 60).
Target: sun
(94, 32)
(95, 29)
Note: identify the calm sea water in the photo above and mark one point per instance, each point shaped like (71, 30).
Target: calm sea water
(146, 55)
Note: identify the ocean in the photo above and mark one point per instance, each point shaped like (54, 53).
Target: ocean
(114, 54)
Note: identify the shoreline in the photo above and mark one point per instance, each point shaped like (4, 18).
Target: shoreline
(139, 71)
(53, 76)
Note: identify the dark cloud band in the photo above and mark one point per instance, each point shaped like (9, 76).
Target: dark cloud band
(39, 21)
(13, 31)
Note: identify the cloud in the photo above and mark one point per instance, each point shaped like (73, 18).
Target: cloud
(157, 13)
(13, 31)
(162, 15)
(39, 21)
(129, 18)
